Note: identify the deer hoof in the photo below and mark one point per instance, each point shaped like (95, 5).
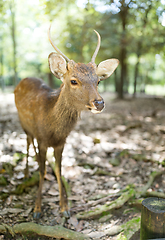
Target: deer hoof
(66, 214)
(36, 215)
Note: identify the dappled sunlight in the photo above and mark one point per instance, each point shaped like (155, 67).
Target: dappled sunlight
(103, 155)
(110, 160)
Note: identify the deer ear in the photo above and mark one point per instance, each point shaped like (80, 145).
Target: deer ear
(106, 68)
(57, 65)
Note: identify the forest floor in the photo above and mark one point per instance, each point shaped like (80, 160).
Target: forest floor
(105, 156)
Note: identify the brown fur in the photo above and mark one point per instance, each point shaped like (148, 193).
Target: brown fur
(49, 115)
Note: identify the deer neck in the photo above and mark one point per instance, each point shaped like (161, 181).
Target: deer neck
(65, 113)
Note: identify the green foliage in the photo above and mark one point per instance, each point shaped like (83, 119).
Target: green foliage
(134, 27)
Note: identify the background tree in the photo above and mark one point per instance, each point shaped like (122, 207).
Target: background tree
(2, 23)
(138, 26)
(12, 8)
(131, 30)
(146, 32)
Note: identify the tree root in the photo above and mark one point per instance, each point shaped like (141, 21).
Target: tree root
(128, 195)
(155, 194)
(143, 191)
(30, 228)
(119, 202)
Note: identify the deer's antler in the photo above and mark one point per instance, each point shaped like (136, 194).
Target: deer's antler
(97, 48)
(56, 48)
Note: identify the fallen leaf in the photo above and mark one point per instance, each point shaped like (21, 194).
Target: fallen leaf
(96, 235)
(9, 200)
(26, 213)
(49, 177)
(10, 210)
(80, 226)
(73, 221)
(53, 192)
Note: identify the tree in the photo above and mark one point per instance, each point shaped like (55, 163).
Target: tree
(124, 14)
(137, 30)
(12, 7)
(128, 28)
(2, 45)
(82, 38)
(146, 32)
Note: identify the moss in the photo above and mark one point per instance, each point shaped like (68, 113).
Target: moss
(129, 228)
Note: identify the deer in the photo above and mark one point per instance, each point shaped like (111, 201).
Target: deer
(49, 115)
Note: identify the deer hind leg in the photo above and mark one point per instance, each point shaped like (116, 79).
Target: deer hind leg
(35, 150)
(62, 192)
(29, 141)
(41, 161)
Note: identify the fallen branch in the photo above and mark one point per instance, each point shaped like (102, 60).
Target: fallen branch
(125, 231)
(95, 202)
(135, 203)
(155, 194)
(142, 192)
(30, 228)
(119, 202)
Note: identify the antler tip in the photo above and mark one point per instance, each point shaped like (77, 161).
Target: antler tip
(49, 31)
(97, 48)
(97, 33)
(54, 46)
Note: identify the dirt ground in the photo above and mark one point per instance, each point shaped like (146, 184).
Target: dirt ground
(103, 155)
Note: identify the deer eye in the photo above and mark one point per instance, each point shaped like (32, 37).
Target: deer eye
(98, 82)
(74, 82)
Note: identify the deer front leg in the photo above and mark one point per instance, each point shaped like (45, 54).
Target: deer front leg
(41, 161)
(62, 192)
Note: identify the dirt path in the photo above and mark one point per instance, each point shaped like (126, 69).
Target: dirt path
(103, 155)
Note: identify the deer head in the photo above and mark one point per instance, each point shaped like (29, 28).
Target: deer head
(81, 80)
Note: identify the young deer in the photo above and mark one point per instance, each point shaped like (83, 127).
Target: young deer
(49, 115)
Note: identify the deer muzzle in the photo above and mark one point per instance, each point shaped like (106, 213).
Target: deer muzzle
(97, 106)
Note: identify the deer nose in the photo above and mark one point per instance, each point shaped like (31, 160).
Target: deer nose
(99, 104)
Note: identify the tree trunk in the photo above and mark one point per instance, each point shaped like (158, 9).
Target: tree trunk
(2, 83)
(13, 30)
(123, 56)
(153, 219)
(139, 50)
(116, 81)
(123, 73)
(136, 76)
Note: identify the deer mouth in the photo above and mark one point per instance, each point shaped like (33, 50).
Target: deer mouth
(96, 111)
